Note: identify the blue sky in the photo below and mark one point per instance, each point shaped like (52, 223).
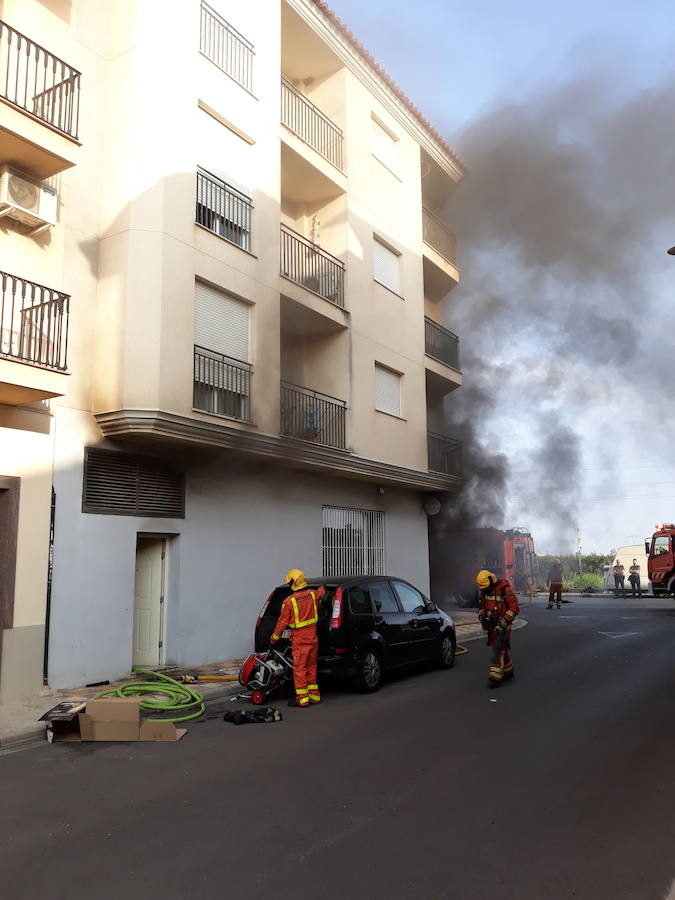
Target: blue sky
(596, 80)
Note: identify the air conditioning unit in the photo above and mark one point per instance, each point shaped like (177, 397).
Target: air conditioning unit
(26, 200)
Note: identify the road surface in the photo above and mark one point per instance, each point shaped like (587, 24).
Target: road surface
(562, 788)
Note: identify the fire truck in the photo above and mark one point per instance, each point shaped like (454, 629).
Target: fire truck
(457, 556)
(660, 552)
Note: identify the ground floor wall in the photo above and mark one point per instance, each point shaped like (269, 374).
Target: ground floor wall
(246, 524)
(26, 448)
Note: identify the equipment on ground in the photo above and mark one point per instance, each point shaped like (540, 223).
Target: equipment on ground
(180, 698)
(252, 716)
(266, 674)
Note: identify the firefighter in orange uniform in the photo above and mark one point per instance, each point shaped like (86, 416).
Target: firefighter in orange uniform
(300, 613)
(497, 608)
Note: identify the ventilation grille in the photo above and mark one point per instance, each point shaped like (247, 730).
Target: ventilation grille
(117, 484)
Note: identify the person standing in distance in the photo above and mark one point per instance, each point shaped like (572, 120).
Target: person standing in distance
(619, 578)
(634, 578)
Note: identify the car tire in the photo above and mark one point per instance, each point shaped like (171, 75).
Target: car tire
(368, 676)
(447, 650)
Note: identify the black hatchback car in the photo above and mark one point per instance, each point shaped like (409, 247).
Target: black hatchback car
(367, 625)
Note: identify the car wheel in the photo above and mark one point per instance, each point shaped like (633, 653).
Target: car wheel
(447, 651)
(368, 677)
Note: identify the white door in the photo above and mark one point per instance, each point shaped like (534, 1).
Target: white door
(149, 602)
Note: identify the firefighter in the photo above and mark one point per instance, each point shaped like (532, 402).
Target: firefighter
(497, 608)
(300, 613)
(555, 583)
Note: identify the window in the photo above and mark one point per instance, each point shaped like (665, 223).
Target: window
(383, 144)
(223, 210)
(411, 600)
(387, 391)
(120, 484)
(661, 545)
(382, 596)
(222, 373)
(386, 266)
(359, 601)
(353, 541)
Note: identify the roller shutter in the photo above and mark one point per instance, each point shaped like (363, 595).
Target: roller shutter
(387, 391)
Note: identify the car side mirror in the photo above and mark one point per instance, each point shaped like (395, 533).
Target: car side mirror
(647, 547)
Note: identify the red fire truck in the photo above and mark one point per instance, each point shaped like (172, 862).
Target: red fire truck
(456, 557)
(660, 552)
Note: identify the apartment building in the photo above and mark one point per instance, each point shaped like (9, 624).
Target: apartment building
(224, 279)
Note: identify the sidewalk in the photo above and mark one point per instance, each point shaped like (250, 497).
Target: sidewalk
(19, 726)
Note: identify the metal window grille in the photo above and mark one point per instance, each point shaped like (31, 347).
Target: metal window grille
(312, 416)
(445, 454)
(225, 47)
(438, 235)
(306, 120)
(119, 484)
(35, 80)
(441, 344)
(223, 210)
(308, 265)
(33, 323)
(222, 386)
(353, 541)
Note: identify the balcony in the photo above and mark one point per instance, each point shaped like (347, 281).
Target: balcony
(312, 416)
(221, 386)
(444, 454)
(307, 121)
(225, 47)
(39, 112)
(33, 341)
(223, 210)
(308, 265)
(440, 270)
(441, 344)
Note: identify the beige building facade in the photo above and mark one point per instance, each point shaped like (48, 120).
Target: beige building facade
(225, 278)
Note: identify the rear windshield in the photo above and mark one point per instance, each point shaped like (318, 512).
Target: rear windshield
(280, 594)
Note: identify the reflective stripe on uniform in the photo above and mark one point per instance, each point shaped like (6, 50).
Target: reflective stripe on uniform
(302, 701)
(275, 637)
(304, 622)
(299, 691)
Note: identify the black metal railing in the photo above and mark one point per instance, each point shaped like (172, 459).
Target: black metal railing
(225, 47)
(437, 235)
(222, 386)
(441, 344)
(223, 210)
(307, 264)
(309, 123)
(33, 323)
(445, 454)
(312, 416)
(38, 82)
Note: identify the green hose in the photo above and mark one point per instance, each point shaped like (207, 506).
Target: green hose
(180, 697)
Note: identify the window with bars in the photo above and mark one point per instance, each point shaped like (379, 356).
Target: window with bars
(353, 541)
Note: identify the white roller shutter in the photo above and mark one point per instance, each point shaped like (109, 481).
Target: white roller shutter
(221, 323)
(387, 391)
(223, 153)
(385, 266)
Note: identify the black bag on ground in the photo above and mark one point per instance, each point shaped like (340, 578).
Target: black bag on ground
(254, 716)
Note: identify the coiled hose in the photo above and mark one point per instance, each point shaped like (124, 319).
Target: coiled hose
(180, 697)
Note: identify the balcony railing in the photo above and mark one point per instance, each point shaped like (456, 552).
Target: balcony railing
(307, 264)
(438, 236)
(445, 454)
(38, 82)
(223, 210)
(222, 386)
(441, 344)
(225, 47)
(33, 323)
(307, 121)
(312, 416)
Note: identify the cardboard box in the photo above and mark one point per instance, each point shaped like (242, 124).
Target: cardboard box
(118, 719)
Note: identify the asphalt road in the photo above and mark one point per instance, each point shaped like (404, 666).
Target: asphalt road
(562, 788)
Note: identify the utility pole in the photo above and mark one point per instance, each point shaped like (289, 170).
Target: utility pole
(579, 548)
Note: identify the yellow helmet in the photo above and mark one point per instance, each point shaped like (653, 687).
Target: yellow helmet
(296, 579)
(484, 579)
